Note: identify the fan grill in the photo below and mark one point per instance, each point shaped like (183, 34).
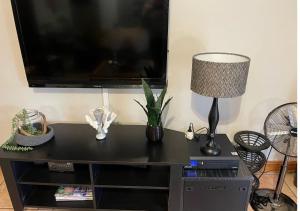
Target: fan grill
(253, 160)
(278, 127)
(252, 141)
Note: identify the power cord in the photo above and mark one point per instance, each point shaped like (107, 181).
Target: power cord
(198, 132)
(264, 170)
(201, 129)
(191, 134)
(259, 201)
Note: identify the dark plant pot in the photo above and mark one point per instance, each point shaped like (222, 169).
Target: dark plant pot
(154, 134)
(31, 141)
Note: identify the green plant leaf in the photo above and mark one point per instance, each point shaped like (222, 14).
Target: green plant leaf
(20, 119)
(10, 146)
(148, 94)
(163, 108)
(160, 99)
(141, 106)
(166, 103)
(153, 116)
(154, 109)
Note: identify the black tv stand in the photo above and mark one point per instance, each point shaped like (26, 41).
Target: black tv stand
(124, 171)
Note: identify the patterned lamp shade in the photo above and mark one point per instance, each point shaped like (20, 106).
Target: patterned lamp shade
(220, 75)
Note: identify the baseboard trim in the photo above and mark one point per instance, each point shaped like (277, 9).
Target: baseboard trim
(275, 165)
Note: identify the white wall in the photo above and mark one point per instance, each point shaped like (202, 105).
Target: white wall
(264, 30)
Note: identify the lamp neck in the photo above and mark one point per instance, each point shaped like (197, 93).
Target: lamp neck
(213, 118)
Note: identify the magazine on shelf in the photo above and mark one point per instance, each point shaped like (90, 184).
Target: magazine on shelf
(73, 194)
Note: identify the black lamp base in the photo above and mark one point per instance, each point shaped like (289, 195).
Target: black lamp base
(213, 151)
(211, 148)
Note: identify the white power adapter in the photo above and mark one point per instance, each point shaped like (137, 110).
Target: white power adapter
(189, 134)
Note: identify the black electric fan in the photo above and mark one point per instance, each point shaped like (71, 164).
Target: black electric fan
(280, 128)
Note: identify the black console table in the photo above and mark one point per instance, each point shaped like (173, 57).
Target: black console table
(124, 171)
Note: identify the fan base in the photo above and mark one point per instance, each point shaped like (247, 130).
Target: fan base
(285, 203)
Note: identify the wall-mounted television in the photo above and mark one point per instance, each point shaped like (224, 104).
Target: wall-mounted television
(93, 43)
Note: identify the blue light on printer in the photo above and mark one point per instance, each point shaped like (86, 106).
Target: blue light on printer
(195, 163)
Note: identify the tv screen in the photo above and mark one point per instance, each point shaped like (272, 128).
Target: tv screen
(93, 43)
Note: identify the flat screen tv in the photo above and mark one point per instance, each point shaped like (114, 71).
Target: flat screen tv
(93, 43)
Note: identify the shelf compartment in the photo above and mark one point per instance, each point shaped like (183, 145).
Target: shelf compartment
(43, 196)
(131, 199)
(138, 177)
(39, 174)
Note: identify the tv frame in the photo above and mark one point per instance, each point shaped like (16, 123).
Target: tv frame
(103, 83)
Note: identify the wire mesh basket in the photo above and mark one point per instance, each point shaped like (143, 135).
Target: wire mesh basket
(253, 160)
(252, 141)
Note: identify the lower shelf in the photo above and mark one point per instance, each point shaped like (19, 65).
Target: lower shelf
(43, 196)
(106, 199)
(132, 199)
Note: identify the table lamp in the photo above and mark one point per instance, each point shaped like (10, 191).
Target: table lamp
(218, 75)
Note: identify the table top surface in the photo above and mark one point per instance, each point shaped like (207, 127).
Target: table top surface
(228, 151)
(124, 144)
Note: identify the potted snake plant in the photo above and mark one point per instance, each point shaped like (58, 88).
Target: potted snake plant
(154, 110)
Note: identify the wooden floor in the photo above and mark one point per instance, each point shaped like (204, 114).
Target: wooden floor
(267, 181)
